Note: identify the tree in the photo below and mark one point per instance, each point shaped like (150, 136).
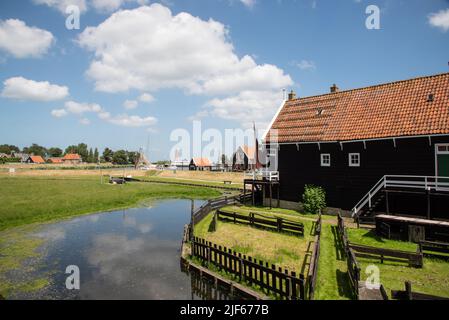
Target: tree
(108, 154)
(120, 157)
(6, 148)
(96, 155)
(71, 149)
(133, 157)
(83, 152)
(90, 157)
(55, 152)
(314, 199)
(36, 150)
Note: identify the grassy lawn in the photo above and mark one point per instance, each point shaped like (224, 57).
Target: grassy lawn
(283, 250)
(432, 279)
(38, 199)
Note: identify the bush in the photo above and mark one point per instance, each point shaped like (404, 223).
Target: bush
(314, 199)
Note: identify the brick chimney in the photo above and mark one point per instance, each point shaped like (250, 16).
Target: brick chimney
(292, 95)
(334, 88)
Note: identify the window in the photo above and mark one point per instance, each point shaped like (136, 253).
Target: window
(442, 148)
(325, 160)
(354, 159)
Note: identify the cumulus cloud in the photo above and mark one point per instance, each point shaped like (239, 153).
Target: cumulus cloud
(61, 5)
(125, 120)
(306, 65)
(81, 108)
(130, 104)
(149, 48)
(248, 3)
(146, 97)
(112, 5)
(247, 106)
(23, 41)
(59, 113)
(24, 89)
(440, 20)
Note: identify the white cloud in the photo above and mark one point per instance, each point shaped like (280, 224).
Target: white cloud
(59, 113)
(440, 20)
(24, 89)
(125, 120)
(149, 48)
(130, 104)
(112, 5)
(246, 107)
(306, 65)
(61, 5)
(23, 41)
(146, 97)
(248, 3)
(80, 108)
(85, 121)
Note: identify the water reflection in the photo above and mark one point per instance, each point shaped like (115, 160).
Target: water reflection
(131, 254)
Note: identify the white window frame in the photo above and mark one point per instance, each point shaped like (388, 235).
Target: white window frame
(323, 163)
(437, 152)
(351, 164)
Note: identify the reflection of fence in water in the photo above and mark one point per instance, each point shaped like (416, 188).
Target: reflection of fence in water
(206, 290)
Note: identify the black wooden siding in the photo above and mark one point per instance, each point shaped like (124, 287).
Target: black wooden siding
(346, 185)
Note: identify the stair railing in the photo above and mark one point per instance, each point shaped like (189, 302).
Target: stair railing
(427, 183)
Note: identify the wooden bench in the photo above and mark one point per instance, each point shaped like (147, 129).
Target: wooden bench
(227, 182)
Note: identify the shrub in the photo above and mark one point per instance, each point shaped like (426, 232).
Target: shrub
(314, 199)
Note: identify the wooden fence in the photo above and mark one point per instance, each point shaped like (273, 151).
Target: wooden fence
(214, 204)
(282, 283)
(313, 267)
(435, 249)
(408, 294)
(413, 259)
(260, 221)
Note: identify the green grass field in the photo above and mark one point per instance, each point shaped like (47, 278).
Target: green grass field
(26, 200)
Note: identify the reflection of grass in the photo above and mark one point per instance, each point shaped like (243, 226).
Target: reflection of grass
(36, 199)
(15, 251)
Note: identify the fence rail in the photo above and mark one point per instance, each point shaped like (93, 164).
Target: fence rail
(256, 220)
(426, 183)
(408, 294)
(313, 267)
(276, 281)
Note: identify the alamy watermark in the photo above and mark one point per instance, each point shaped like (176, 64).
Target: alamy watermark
(72, 282)
(373, 20)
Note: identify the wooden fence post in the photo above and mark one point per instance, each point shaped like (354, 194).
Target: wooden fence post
(408, 290)
(302, 290)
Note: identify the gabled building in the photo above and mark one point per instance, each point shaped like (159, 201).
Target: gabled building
(200, 164)
(35, 160)
(244, 158)
(55, 160)
(72, 158)
(379, 148)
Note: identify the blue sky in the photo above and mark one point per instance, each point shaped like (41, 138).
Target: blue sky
(224, 62)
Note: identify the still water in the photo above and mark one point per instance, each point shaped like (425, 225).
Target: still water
(129, 254)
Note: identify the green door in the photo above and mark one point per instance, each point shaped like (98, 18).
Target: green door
(443, 165)
(443, 170)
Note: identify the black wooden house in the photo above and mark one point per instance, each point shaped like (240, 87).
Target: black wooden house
(383, 148)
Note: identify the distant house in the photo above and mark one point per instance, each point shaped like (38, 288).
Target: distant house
(181, 164)
(22, 156)
(4, 155)
(72, 158)
(200, 164)
(55, 160)
(35, 159)
(244, 159)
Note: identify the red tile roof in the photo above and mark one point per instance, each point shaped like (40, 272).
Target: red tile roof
(201, 162)
(401, 108)
(55, 160)
(72, 156)
(37, 159)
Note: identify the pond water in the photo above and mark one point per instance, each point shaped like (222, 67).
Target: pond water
(129, 254)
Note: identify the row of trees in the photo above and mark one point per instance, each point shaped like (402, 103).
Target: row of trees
(88, 155)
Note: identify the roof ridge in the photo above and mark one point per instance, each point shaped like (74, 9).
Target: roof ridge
(367, 87)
